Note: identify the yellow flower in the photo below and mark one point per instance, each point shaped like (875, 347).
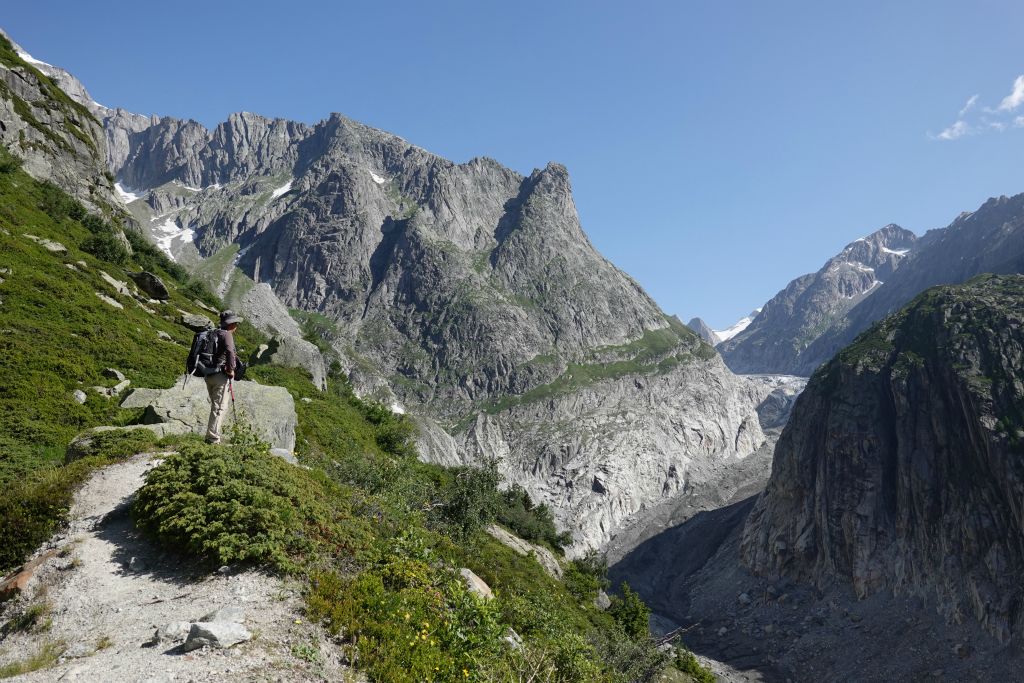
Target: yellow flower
(407, 616)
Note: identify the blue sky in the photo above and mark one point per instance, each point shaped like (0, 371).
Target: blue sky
(717, 149)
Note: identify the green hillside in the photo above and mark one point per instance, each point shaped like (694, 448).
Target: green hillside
(377, 535)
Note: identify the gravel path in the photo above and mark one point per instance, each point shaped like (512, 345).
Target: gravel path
(107, 590)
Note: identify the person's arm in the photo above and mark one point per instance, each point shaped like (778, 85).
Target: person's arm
(230, 358)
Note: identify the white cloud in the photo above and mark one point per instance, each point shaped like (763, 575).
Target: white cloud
(969, 106)
(1015, 98)
(974, 118)
(957, 130)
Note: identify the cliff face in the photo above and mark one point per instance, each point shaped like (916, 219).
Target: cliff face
(57, 138)
(902, 466)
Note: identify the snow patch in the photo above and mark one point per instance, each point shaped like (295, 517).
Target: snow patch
(284, 189)
(739, 326)
(128, 196)
(377, 179)
(898, 252)
(168, 233)
(32, 60)
(861, 267)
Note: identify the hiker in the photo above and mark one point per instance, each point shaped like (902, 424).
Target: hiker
(218, 384)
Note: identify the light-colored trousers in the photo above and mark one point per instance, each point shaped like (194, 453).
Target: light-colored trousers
(217, 386)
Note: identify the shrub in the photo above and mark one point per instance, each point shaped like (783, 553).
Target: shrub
(8, 162)
(587, 575)
(238, 503)
(471, 499)
(408, 619)
(517, 511)
(687, 663)
(631, 613)
(106, 247)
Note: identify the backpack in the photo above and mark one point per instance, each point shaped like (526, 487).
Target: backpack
(202, 355)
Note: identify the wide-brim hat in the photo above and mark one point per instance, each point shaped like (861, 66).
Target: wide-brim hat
(229, 318)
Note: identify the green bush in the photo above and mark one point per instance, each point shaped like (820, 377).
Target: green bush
(407, 618)
(471, 499)
(106, 247)
(688, 664)
(238, 503)
(8, 162)
(587, 575)
(517, 511)
(631, 613)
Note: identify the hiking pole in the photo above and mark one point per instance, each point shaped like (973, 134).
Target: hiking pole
(231, 389)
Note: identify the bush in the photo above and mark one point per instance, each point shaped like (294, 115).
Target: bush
(106, 247)
(471, 499)
(517, 511)
(631, 613)
(8, 162)
(408, 619)
(688, 664)
(238, 503)
(55, 202)
(587, 575)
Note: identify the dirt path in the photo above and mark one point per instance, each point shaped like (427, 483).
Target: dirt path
(106, 591)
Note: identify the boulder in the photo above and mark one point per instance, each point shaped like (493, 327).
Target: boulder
(269, 409)
(545, 557)
(285, 455)
(295, 352)
(49, 245)
(160, 334)
(107, 300)
(151, 284)
(216, 634)
(119, 286)
(79, 396)
(113, 374)
(232, 613)
(82, 445)
(194, 321)
(476, 585)
(172, 632)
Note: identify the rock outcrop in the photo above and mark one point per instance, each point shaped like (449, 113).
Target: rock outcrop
(901, 467)
(777, 337)
(703, 330)
(57, 137)
(269, 410)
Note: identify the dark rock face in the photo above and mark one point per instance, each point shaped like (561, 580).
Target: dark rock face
(903, 463)
(776, 340)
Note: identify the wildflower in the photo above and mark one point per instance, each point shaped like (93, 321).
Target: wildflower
(407, 616)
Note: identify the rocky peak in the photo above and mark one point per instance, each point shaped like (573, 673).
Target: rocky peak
(790, 321)
(703, 330)
(901, 463)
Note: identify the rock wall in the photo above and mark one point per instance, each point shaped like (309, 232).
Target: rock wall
(901, 468)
